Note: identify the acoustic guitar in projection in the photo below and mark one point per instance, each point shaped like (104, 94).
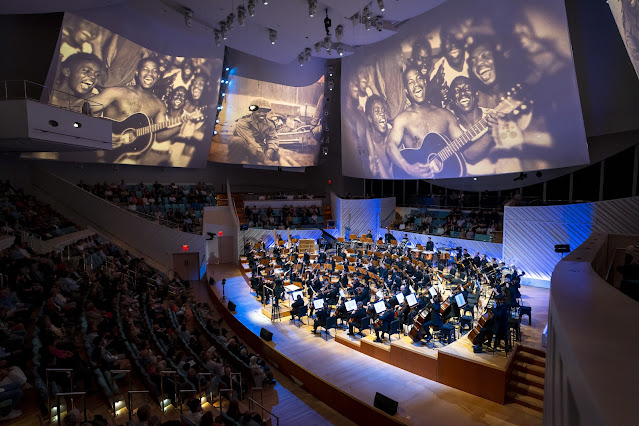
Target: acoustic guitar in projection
(135, 134)
(443, 155)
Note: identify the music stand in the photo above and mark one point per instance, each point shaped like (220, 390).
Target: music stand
(350, 305)
(400, 298)
(380, 307)
(411, 299)
(318, 303)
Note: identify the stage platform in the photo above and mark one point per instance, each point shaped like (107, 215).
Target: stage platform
(346, 372)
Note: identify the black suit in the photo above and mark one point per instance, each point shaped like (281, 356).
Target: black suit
(387, 317)
(296, 306)
(320, 319)
(430, 246)
(357, 316)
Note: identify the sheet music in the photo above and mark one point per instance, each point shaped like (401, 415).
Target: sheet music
(380, 307)
(350, 305)
(318, 303)
(400, 298)
(411, 299)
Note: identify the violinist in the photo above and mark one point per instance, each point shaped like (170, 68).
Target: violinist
(364, 294)
(356, 318)
(435, 320)
(384, 322)
(295, 307)
(320, 318)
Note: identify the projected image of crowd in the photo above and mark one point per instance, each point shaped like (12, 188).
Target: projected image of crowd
(472, 95)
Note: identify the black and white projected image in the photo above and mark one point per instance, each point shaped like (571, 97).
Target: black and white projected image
(467, 89)
(626, 13)
(270, 124)
(162, 106)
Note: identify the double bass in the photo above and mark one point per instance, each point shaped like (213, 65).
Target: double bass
(420, 319)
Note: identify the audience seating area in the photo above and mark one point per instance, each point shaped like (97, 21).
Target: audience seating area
(172, 205)
(476, 224)
(286, 217)
(20, 213)
(97, 321)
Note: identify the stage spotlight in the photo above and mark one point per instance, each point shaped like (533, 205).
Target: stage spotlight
(265, 2)
(331, 70)
(226, 69)
(251, 7)
(188, 16)
(223, 94)
(474, 178)
(339, 32)
(223, 30)
(340, 50)
(77, 125)
(312, 7)
(217, 38)
(215, 132)
(217, 121)
(380, 3)
(229, 21)
(219, 107)
(241, 15)
(325, 151)
(331, 84)
(272, 35)
(379, 24)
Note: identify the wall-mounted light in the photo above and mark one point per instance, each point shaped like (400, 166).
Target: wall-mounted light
(300, 59)
(272, 35)
(340, 50)
(380, 3)
(330, 84)
(339, 32)
(318, 47)
(223, 30)
(53, 123)
(331, 70)
(379, 23)
(265, 2)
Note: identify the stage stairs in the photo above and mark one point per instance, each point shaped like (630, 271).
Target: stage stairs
(526, 386)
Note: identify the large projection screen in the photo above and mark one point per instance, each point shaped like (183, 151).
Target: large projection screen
(163, 107)
(469, 88)
(270, 124)
(626, 13)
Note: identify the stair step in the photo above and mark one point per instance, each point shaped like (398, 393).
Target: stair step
(534, 351)
(529, 379)
(524, 389)
(530, 368)
(531, 359)
(526, 401)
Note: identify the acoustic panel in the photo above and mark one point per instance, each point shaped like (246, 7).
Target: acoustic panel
(530, 233)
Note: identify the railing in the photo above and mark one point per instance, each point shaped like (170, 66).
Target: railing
(158, 220)
(273, 416)
(24, 89)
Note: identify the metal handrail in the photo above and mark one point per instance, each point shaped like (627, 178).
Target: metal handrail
(71, 394)
(252, 401)
(55, 370)
(75, 103)
(131, 401)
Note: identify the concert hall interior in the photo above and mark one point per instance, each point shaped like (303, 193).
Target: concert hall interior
(265, 212)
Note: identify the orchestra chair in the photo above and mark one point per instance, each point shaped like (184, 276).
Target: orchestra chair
(447, 333)
(365, 325)
(394, 329)
(331, 322)
(525, 310)
(466, 321)
(301, 312)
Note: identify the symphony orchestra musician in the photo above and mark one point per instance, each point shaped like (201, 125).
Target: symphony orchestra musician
(367, 273)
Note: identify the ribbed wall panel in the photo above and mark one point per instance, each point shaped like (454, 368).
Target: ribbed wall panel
(489, 249)
(530, 233)
(387, 212)
(253, 235)
(359, 216)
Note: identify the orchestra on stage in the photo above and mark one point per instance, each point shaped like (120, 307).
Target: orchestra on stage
(390, 287)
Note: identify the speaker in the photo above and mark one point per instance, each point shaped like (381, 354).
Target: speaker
(266, 335)
(385, 404)
(562, 248)
(231, 306)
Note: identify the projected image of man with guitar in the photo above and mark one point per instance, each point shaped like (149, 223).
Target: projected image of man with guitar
(413, 124)
(140, 116)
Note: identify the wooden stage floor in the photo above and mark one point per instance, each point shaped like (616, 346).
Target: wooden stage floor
(420, 400)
